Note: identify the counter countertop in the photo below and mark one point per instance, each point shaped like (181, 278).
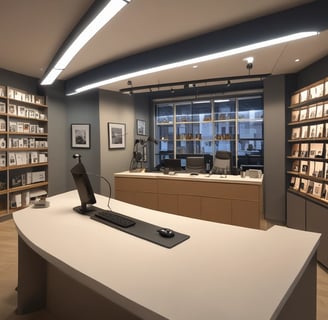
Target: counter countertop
(221, 272)
(188, 177)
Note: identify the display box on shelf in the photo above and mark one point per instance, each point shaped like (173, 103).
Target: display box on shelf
(38, 176)
(3, 159)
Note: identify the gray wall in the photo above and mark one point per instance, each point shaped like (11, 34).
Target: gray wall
(116, 108)
(274, 149)
(84, 108)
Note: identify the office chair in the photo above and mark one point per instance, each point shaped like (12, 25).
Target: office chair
(222, 162)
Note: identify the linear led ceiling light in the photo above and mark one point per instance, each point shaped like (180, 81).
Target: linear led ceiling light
(102, 18)
(217, 55)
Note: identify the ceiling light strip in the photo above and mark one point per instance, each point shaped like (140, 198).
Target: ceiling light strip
(103, 17)
(217, 55)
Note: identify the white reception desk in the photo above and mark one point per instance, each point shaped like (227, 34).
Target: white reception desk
(78, 268)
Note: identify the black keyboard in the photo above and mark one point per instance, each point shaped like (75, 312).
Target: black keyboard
(113, 217)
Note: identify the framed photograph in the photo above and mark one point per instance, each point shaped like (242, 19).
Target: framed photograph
(141, 127)
(116, 135)
(80, 135)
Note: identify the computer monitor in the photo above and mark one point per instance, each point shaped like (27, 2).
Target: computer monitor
(83, 186)
(172, 164)
(195, 164)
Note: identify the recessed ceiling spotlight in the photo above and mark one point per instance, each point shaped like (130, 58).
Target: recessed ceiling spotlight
(195, 66)
(297, 60)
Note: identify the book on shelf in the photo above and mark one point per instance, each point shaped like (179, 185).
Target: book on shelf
(304, 150)
(319, 130)
(2, 107)
(296, 166)
(313, 131)
(317, 189)
(304, 132)
(295, 115)
(312, 112)
(317, 91)
(295, 152)
(310, 187)
(304, 167)
(319, 111)
(326, 171)
(12, 109)
(324, 192)
(318, 169)
(292, 181)
(3, 143)
(3, 125)
(3, 159)
(303, 95)
(303, 185)
(297, 183)
(311, 168)
(303, 114)
(295, 99)
(316, 150)
(325, 109)
(296, 133)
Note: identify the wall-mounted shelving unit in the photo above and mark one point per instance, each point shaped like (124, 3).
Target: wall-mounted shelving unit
(23, 148)
(307, 162)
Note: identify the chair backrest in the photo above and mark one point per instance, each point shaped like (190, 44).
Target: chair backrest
(222, 162)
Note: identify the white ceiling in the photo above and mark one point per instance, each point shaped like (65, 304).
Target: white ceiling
(32, 31)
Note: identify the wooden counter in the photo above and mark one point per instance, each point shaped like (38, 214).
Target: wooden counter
(232, 199)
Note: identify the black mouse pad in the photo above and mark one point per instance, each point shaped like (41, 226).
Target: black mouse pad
(147, 231)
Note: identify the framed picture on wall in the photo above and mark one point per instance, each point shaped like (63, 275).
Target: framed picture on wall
(116, 135)
(141, 127)
(80, 134)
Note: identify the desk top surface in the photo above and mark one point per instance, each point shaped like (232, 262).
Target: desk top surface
(188, 177)
(221, 272)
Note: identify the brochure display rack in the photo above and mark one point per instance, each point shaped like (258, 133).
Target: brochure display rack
(307, 162)
(23, 148)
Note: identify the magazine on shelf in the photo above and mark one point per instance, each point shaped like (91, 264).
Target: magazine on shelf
(318, 169)
(304, 150)
(312, 112)
(295, 150)
(319, 111)
(303, 95)
(297, 183)
(311, 168)
(325, 109)
(296, 133)
(324, 192)
(295, 115)
(317, 91)
(304, 185)
(296, 166)
(319, 130)
(304, 166)
(303, 114)
(313, 131)
(310, 187)
(304, 132)
(317, 189)
(292, 181)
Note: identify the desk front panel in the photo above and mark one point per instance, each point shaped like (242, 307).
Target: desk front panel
(224, 202)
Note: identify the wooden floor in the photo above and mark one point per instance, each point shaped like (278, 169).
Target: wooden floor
(8, 279)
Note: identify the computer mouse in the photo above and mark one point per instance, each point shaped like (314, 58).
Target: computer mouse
(166, 233)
